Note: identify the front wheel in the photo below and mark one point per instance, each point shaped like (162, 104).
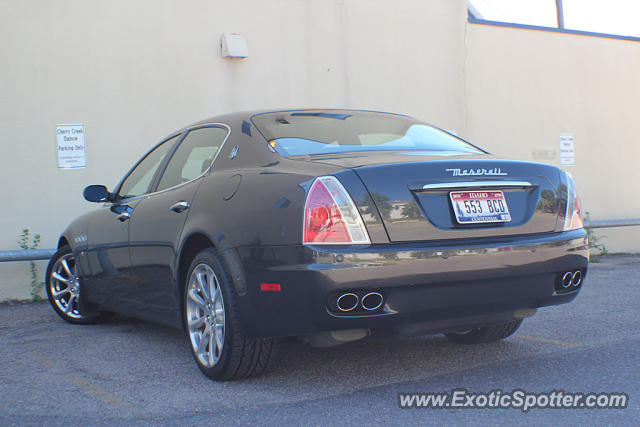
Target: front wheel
(219, 347)
(63, 284)
(485, 333)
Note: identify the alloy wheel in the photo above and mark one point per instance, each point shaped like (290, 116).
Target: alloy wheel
(205, 315)
(64, 286)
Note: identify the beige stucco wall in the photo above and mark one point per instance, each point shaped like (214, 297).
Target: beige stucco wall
(524, 88)
(133, 71)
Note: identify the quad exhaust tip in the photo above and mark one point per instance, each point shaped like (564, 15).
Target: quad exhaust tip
(576, 278)
(347, 302)
(566, 279)
(372, 301)
(350, 301)
(571, 279)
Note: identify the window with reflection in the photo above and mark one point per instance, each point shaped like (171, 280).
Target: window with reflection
(193, 157)
(139, 180)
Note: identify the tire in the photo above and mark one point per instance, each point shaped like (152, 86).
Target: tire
(212, 323)
(486, 333)
(63, 285)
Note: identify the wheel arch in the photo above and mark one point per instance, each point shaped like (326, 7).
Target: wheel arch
(63, 241)
(193, 244)
(198, 241)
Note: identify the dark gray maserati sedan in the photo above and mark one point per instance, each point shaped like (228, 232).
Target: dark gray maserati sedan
(327, 225)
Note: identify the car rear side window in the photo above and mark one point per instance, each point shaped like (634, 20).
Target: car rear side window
(139, 179)
(294, 133)
(193, 157)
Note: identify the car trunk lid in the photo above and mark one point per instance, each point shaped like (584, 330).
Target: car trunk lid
(415, 203)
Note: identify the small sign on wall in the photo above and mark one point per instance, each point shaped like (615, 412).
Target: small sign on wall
(567, 154)
(71, 146)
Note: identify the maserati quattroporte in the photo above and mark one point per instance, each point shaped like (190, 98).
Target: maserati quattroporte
(328, 225)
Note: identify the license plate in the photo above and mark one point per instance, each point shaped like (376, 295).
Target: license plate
(479, 206)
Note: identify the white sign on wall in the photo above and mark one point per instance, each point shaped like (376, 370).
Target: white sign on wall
(567, 155)
(71, 146)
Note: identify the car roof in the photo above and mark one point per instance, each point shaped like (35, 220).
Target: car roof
(248, 114)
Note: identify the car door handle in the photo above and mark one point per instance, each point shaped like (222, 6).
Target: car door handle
(180, 206)
(124, 216)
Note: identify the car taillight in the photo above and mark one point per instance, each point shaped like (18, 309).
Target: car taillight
(330, 216)
(573, 215)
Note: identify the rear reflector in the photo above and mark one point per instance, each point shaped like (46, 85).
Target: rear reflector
(330, 216)
(270, 287)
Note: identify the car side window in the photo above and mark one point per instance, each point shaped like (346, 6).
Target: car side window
(193, 157)
(139, 180)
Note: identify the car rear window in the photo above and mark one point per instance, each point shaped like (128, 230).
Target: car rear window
(295, 133)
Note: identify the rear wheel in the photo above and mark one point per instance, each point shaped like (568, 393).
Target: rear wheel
(485, 333)
(220, 348)
(63, 285)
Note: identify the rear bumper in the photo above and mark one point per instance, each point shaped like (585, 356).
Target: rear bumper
(427, 287)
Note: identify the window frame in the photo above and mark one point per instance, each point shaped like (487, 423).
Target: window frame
(163, 167)
(559, 29)
(152, 184)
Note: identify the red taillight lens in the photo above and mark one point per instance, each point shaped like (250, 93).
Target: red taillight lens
(323, 220)
(319, 218)
(330, 217)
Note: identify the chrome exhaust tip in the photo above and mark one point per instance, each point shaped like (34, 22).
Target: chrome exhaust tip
(347, 302)
(576, 278)
(567, 279)
(372, 301)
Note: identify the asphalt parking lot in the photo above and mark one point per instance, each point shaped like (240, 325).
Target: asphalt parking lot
(132, 372)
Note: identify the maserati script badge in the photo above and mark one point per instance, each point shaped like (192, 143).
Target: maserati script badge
(477, 172)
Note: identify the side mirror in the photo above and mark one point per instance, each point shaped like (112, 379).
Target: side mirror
(96, 193)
